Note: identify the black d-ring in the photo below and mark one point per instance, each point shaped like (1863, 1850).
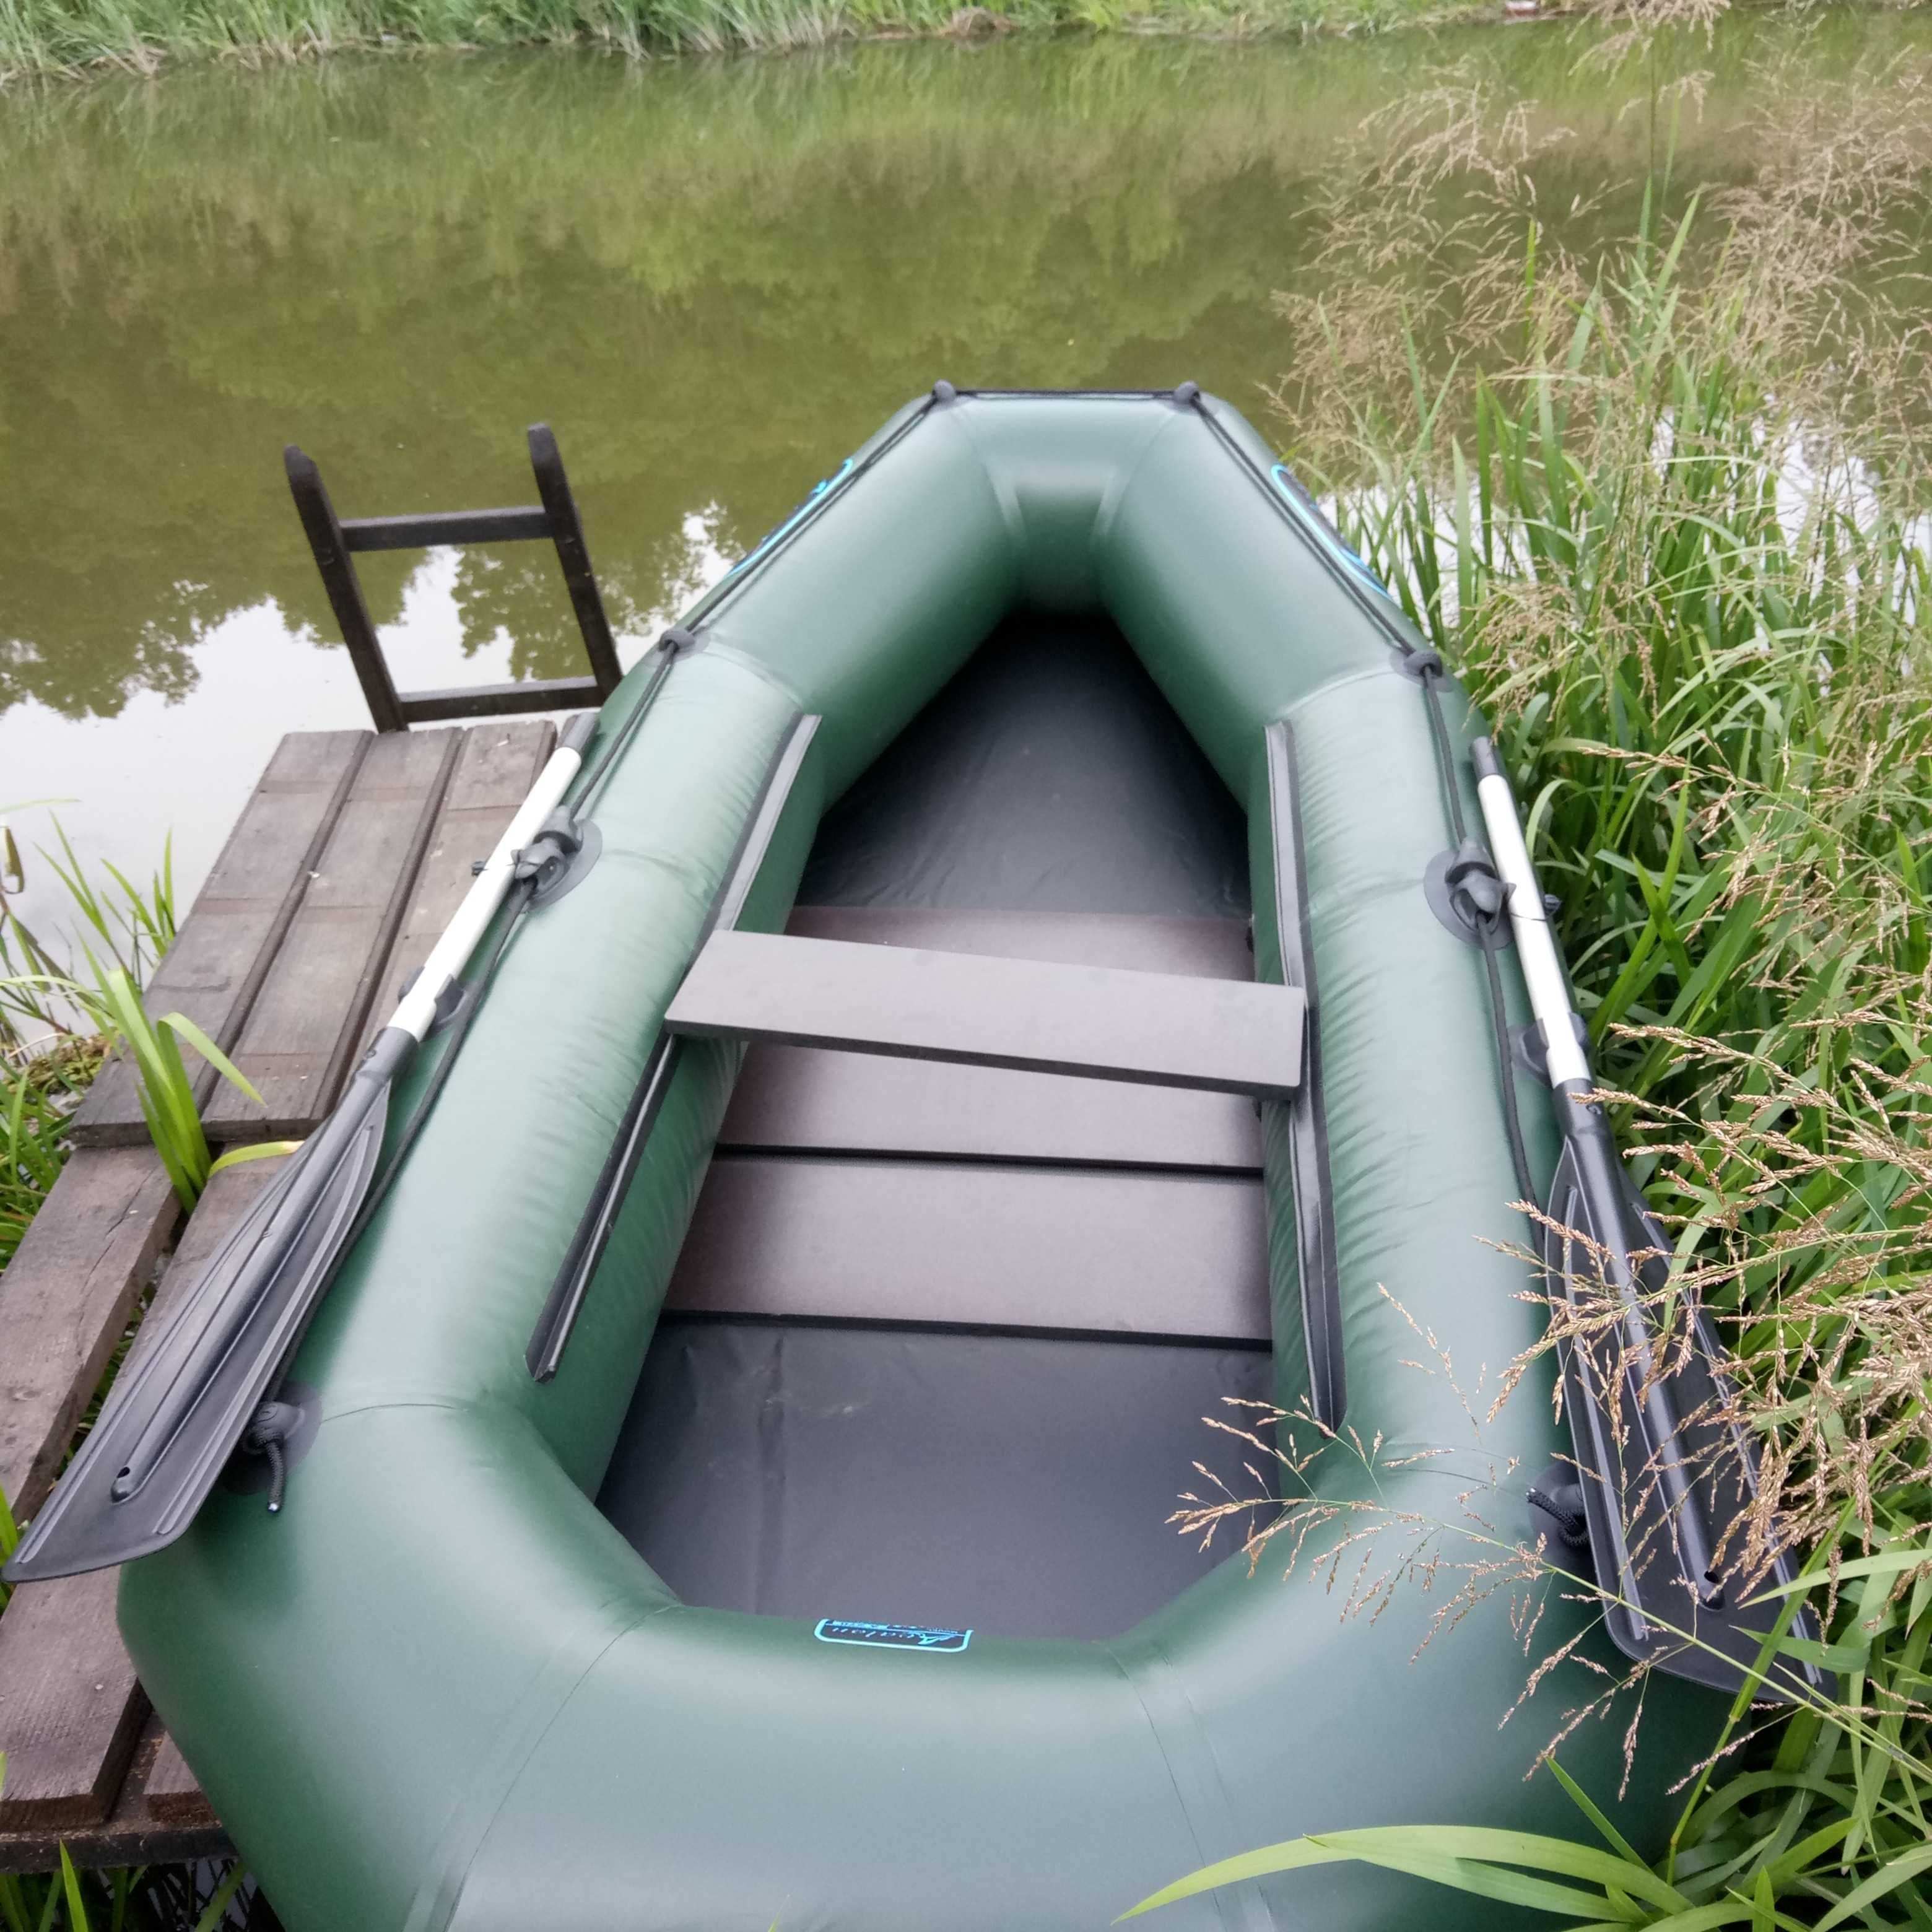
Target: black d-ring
(1468, 898)
(564, 872)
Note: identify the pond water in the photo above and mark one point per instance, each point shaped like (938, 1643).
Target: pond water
(712, 277)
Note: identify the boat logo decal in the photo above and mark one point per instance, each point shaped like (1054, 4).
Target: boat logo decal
(1309, 513)
(823, 488)
(890, 1636)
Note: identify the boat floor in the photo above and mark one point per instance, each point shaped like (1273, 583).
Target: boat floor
(1018, 1485)
(942, 1342)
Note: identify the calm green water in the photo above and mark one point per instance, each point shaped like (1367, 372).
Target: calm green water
(713, 278)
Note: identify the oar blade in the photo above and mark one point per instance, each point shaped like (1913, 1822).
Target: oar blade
(1647, 1404)
(167, 1431)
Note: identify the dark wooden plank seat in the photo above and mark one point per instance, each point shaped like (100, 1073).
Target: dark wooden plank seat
(1201, 948)
(808, 1099)
(983, 1197)
(980, 1245)
(804, 1099)
(1098, 1022)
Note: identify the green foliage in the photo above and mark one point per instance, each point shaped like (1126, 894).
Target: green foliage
(38, 1088)
(1524, 1868)
(132, 926)
(151, 1899)
(9, 1539)
(124, 1899)
(1672, 534)
(36, 1094)
(167, 1091)
(61, 36)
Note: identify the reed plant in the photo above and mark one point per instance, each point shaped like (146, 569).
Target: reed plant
(128, 1899)
(166, 1090)
(67, 37)
(38, 1090)
(1671, 530)
(75, 1021)
(131, 926)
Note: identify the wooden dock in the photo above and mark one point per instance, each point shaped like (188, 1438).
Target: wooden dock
(349, 859)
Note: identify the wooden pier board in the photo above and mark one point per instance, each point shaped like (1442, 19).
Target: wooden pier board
(349, 857)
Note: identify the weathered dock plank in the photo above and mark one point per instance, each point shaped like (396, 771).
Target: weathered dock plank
(69, 1707)
(497, 766)
(65, 1300)
(303, 1029)
(174, 1794)
(139, 1830)
(223, 952)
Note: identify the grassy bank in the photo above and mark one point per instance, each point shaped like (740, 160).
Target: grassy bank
(1673, 530)
(64, 36)
(48, 1052)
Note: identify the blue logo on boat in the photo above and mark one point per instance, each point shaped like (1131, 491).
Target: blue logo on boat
(891, 1636)
(823, 488)
(1308, 513)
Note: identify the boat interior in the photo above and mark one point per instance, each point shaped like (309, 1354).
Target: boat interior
(940, 1343)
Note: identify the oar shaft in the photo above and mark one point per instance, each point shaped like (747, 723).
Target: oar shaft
(451, 953)
(309, 1182)
(1599, 1170)
(1598, 1165)
(1536, 946)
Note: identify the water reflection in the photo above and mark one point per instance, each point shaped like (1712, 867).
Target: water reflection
(713, 278)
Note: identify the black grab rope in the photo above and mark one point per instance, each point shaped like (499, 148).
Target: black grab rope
(521, 896)
(1475, 889)
(679, 640)
(675, 641)
(782, 535)
(1482, 900)
(1375, 603)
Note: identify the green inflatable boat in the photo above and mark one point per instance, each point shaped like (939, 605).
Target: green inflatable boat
(1020, 970)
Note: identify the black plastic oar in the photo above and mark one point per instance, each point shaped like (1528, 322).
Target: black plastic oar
(1665, 1478)
(167, 1431)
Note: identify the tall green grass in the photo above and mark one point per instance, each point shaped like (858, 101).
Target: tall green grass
(50, 1049)
(1673, 534)
(180, 1898)
(37, 1092)
(64, 36)
(124, 925)
(57, 1026)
